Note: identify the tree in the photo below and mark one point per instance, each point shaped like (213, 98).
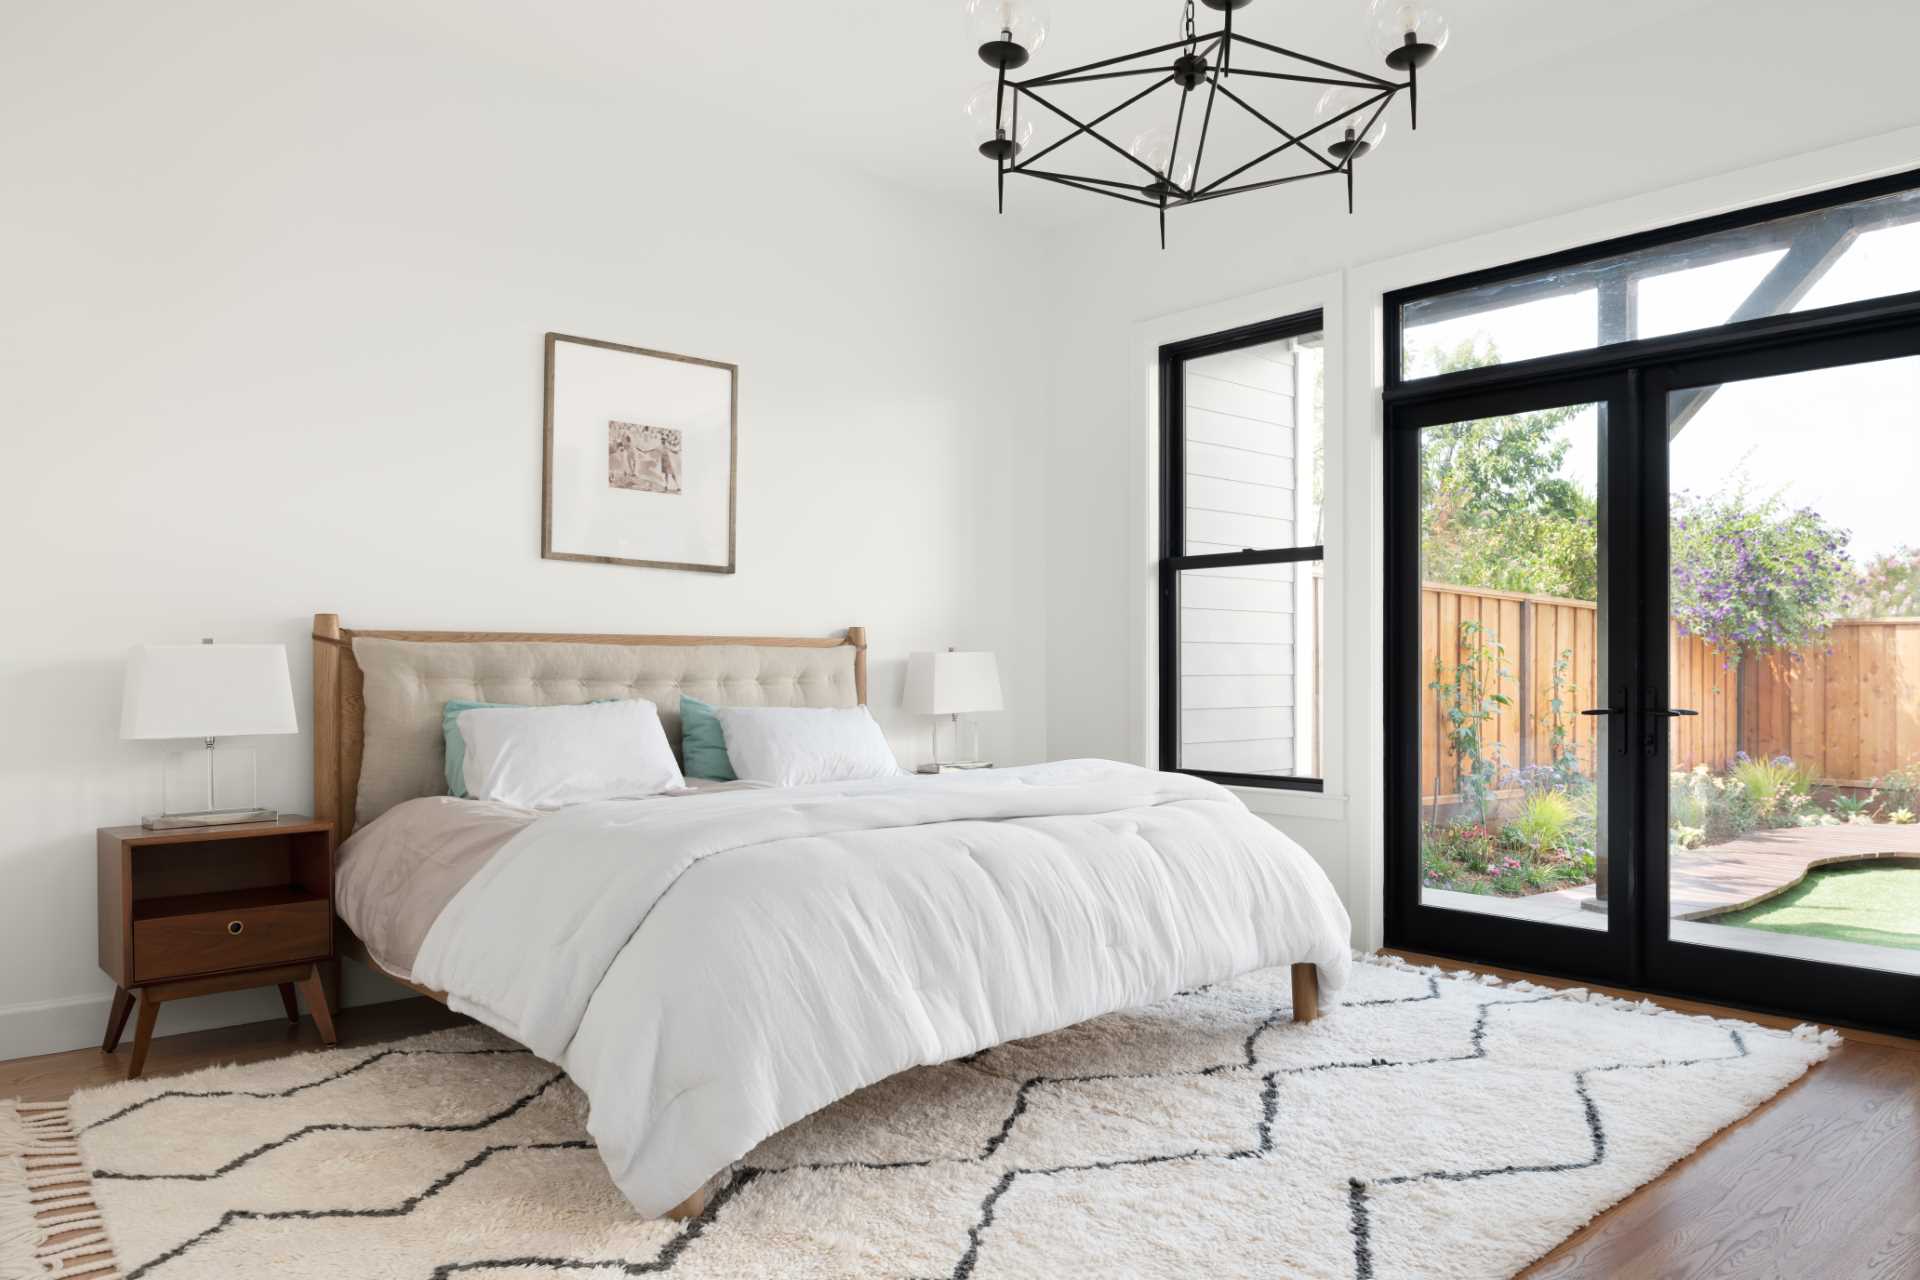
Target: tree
(1752, 576)
(1497, 512)
(1889, 586)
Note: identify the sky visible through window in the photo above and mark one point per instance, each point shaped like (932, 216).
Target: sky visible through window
(1843, 441)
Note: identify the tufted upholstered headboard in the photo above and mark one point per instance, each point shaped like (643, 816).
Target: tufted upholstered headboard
(377, 695)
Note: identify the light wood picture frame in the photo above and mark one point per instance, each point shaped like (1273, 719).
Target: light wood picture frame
(632, 469)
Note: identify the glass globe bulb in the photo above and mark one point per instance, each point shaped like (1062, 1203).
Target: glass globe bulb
(996, 24)
(990, 120)
(1154, 148)
(1352, 134)
(1408, 33)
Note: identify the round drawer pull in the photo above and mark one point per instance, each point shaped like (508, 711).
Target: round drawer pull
(235, 927)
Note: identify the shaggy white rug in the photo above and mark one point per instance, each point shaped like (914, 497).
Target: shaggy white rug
(1425, 1126)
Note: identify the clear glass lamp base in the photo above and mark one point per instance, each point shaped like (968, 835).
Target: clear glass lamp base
(195, 783)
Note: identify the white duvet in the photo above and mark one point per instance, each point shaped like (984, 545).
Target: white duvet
(710, 971)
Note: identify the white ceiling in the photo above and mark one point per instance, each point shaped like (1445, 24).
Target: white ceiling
(878, 84)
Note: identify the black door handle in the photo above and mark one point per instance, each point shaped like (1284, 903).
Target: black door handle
(1620, 738)
(1681, 711)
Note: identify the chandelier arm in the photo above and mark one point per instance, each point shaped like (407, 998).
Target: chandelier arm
(1206, 119)
(1173, 152)
(1036, 82)
(1293, 139)
(1212, 194)
(1115, 75)
(1000, 131)
(1318, 62)
(1090, 131)
(1082, 177)
(1287, 75)
(1080, 185)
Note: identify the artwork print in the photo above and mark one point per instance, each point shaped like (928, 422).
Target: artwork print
(643, 457)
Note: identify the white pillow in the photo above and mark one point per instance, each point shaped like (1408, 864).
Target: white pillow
(545, 757)
(788, 746)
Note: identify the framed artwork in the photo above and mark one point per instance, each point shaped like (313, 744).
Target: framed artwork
(641, 453)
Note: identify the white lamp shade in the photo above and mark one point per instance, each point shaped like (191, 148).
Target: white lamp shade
(206, 691)
(951, 683)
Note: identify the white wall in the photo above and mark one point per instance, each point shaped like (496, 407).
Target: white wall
(1654, 127)
(273, 281)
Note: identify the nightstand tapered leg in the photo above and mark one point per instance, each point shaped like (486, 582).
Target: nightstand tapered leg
(117, 1019)
(287, 1002)
(143, 1033)
(317, 1005)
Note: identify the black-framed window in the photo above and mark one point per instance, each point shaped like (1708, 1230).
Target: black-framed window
(1242, 552)
(1655, 294)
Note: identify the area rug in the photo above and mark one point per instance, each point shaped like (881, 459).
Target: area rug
(1425, 1125)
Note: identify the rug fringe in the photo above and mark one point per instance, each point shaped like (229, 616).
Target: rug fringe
(49, 1222)
(1826, 1037)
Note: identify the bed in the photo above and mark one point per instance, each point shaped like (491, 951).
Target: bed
(713, 965)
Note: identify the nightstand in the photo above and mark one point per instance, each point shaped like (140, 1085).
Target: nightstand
(195, 911)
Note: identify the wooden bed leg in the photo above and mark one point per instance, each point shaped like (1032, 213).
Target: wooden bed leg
(692, 1207)
(1306, 993)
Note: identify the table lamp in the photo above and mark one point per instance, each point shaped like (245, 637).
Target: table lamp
(953, 684)
(206, 691)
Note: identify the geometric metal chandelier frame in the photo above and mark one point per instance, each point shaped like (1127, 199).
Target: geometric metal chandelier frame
(1207, 65)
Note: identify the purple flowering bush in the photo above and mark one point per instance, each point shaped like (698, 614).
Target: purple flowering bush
(1753, 577)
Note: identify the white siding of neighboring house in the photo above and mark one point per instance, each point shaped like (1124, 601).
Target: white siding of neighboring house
(1247, 663)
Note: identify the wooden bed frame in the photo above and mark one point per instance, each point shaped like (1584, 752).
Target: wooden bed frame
(339, 737)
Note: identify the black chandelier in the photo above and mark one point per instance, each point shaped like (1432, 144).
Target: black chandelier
(1165, 162)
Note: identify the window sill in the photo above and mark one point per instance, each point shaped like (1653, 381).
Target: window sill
(1278, 803)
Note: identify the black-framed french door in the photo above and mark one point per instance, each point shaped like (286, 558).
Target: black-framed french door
(1658, 913)
(1853, 687)
(1481, 686)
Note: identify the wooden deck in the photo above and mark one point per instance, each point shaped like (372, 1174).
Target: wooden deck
(1760, 864)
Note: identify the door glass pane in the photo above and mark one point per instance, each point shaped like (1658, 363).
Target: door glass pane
(1254, 447)
(1795, 636)
(1512, 813)
(1250, 668)
(1867, 249)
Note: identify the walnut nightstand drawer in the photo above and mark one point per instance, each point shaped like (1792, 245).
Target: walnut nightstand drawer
(215, 932)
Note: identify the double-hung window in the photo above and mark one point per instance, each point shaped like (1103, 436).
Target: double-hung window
(1242, 553)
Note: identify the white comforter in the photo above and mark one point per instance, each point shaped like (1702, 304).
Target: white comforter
(710, 971)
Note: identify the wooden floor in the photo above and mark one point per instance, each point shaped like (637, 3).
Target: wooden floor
(1822, 1183)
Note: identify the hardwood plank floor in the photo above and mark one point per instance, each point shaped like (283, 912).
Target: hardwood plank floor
(1822, 1183)
(55, 1075)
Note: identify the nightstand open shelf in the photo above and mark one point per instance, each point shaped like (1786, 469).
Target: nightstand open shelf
(188, 904)
(195, 911)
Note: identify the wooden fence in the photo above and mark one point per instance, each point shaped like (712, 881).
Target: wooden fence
(1548, 644)
(1848, 710)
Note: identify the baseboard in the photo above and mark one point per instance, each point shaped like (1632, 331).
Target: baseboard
(55, 1026)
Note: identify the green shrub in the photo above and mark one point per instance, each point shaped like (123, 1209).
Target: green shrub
(1899, 788)
(1854, 808)
(1771, 787)
(1545, 819)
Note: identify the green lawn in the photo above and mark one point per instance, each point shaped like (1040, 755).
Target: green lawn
(1875, 904)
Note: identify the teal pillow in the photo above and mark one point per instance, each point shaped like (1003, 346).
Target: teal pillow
(457, 745)
(702, 745)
